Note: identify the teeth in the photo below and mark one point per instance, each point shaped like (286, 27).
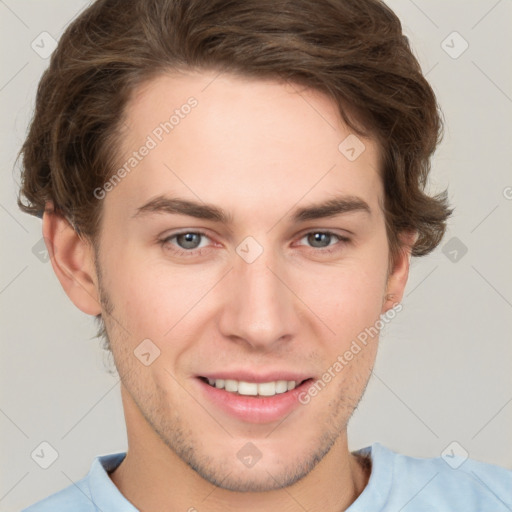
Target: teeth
(267, 388)
(247, 388)
(230, 385)
(281, 386)
(253, 388)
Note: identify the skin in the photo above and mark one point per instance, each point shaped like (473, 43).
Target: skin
(259, 150)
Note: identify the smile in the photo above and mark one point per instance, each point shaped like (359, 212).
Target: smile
(265, 401)
(241, 387)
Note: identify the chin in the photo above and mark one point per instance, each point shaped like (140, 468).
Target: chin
(267, 474)
(251, 479)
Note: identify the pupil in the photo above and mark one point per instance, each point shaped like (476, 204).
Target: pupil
(317, 237)
(189, 242)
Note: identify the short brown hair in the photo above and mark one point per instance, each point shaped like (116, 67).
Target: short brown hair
(352, 50)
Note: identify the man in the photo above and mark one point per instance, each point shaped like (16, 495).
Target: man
(235, 190)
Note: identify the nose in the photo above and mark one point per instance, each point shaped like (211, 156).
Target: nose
(259, 307)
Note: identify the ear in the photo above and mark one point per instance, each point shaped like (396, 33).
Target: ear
(73, 262)
(397, 278)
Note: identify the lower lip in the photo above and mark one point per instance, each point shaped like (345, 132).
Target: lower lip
(255, 409)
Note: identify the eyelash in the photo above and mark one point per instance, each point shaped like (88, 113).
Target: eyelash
(165, 243)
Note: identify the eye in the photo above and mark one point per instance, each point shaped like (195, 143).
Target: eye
(189, 240)
(322, 240)
(319, 239)
(188, 243)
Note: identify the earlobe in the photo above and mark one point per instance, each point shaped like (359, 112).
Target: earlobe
(398, 276)
(72, 261)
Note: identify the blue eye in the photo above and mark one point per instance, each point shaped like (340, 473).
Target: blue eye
(188, 243)
(190, 240)
(320, 237)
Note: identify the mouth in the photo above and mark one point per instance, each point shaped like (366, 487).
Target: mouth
(255, 400)
(255, 389)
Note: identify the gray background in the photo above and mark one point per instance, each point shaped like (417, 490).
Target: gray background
(443, 370)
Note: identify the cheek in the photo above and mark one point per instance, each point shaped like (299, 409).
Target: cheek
(133, 289)
(156, 299)
(349, 303)
(347, 298)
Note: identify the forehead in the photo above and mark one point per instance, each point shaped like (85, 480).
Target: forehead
(240, 143)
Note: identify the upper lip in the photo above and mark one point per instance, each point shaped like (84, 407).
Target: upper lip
(251, 376)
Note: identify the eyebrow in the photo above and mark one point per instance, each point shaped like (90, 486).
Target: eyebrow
(172, 205)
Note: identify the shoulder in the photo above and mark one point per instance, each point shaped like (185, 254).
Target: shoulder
(76, 497)
(94, 491)
(443, 483)
(455, 480)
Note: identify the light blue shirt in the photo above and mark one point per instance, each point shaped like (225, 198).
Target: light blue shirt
(397, 483)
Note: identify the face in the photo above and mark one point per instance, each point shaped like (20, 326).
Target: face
(251, 284)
